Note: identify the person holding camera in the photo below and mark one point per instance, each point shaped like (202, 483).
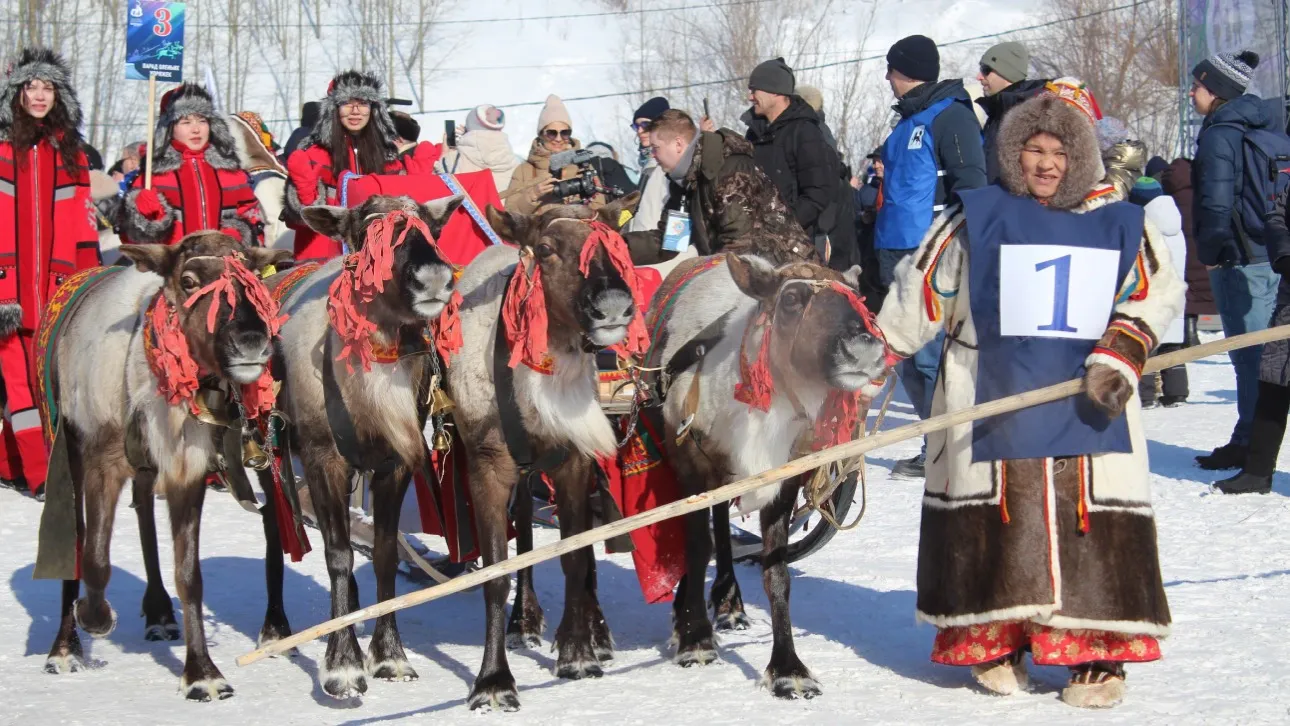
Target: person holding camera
(532, 184)
(719, 199)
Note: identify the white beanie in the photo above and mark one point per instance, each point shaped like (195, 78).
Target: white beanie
(485, 118)
(552, 111)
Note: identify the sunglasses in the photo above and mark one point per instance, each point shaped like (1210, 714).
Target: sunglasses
(986, 70)
(641, 124)
(552, 134)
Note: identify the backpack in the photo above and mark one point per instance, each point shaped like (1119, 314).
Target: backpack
(1266, 177)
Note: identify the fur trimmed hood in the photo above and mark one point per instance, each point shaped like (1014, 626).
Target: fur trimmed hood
(190, 99)
(365, 87)
(46, 65)
(1050, 114)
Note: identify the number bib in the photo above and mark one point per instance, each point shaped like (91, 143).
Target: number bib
(1054, 291)
(1042, 286)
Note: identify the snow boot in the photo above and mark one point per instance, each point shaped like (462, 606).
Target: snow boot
(913, 468)
(1227, 456)
(1245, 483)
(1003, 677)
(1095, 685)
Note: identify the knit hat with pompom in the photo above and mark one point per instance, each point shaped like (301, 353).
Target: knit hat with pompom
(1227, 75)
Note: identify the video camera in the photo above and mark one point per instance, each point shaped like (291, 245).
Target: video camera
(584, 185)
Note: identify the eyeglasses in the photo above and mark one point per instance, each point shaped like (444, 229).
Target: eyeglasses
(552, 134)
(641, 124)
(986, 70)
(355, 105)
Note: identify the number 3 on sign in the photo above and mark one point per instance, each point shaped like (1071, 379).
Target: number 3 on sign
(163, 27)
(1054, 291)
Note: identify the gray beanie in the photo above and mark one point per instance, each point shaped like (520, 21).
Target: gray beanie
(773, 76)
(1010, 60)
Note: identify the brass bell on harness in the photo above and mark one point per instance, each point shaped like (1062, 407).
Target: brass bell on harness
(440, 402)
(441, 441)
(253, 454)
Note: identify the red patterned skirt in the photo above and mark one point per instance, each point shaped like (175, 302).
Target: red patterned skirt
(974, 644)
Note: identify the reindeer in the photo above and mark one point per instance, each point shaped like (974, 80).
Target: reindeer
(760, 358)
(518, 399)
(131, 360)
(375, 398)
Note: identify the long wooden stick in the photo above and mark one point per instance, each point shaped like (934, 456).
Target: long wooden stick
(739, 488)
(152, 128)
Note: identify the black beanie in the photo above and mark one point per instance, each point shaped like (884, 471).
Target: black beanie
(916, 57)
(652, 109)
(1227, 75)
(773, 76)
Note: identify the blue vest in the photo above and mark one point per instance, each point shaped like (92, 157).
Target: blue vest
(1008, 365)
(909, 182)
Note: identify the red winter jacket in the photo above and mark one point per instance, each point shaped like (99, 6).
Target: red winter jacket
(311, 181)
(193, 195)
(47, 230)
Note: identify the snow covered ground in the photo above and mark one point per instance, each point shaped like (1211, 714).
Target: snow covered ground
(1227, 573)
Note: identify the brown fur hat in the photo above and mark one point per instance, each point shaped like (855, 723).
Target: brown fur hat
(1046, 113)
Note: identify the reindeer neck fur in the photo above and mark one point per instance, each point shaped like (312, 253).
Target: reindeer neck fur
(382, 401)
(750, 440)
(562, 409)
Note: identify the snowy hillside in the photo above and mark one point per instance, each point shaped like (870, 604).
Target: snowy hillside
(1226, 564)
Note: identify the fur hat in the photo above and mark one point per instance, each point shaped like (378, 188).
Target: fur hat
(190, 99)
(364, 87)
(553, 111)
(46, 65)
(1053, 115)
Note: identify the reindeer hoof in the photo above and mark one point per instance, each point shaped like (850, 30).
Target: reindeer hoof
(64, 663)
(99, 623)
(210, 689)
(161, 631)
(392, 670)
(521, 641)
(604, 653)
(272, 633)
(736, 620)
(579, 669)
(700, 654)
(344, 683)
(792, 686)
(494, 692)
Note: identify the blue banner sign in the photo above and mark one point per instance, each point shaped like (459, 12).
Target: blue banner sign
(154, 40)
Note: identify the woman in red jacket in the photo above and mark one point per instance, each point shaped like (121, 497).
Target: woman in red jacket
(197, 180)
(47, 232)
(354, 134)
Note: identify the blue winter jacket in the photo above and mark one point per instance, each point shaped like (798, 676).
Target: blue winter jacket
(1215, 176)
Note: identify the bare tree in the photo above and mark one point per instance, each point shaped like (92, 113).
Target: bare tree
(1127, 57)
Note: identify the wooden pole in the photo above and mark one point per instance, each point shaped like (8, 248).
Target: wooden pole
(739, 488)
(152, 124)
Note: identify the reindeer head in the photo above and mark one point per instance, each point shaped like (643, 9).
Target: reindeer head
(239, 346)
(595, 308)
(817, 334)
(422, 282)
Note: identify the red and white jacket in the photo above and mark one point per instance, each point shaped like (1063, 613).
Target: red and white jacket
(311, 181)
(190, 194)
(47, 230)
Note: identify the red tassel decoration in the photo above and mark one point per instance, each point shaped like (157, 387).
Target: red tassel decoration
(524, 316)
(755, 386)
(602, 235)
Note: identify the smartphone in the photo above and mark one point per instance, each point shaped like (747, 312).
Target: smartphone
(706, 114)
(450, 133)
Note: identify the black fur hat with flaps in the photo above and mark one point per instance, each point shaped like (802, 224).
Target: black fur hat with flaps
(361, 86)
(191, 99)
(45, 65)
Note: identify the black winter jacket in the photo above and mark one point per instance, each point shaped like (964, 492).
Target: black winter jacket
(1277, 236)
(1215, 175)
(996, 107)
(956, 133)
(795, 154)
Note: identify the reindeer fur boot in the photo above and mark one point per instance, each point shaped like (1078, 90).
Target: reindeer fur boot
(1005, 676)
(1095, 685)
